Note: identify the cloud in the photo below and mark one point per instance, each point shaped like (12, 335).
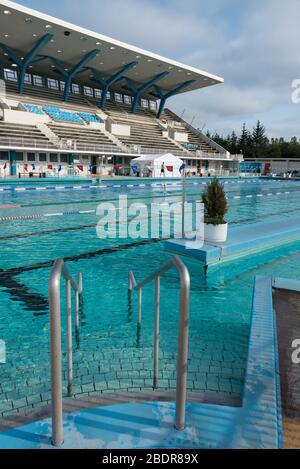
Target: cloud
(253, 45)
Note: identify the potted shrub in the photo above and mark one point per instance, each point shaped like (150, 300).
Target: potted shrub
(215, 209)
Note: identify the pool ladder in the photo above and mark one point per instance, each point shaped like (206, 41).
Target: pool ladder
(183, 328)
(60, 270)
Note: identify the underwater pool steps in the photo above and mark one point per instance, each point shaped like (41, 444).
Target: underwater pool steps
(60, 270)
(183, 327)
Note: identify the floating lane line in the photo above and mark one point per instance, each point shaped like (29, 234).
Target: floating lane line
(125, 186)
(21, 217)
(47, 215)
(85, 212)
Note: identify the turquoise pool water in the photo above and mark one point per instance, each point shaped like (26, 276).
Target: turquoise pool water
(111, 353)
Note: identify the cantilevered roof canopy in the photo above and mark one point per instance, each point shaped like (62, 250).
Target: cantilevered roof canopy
(71, 46)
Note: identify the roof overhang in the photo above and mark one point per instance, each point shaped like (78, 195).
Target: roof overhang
(22, 27)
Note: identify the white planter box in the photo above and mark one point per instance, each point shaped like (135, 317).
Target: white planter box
(215, 233)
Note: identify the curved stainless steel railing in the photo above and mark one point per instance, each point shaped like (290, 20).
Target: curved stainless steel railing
(60, 270)
(183, 328)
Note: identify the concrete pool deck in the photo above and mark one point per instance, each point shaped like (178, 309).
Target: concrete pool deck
(287, 311)
(242, 240)
(257, 424)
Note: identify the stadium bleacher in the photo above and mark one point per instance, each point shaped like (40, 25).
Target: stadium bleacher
(90, 118)
(72, 126)
(33, 108)
(22, 133)
(69, 124)
(109, 109)
(83, 137)
(62, 116)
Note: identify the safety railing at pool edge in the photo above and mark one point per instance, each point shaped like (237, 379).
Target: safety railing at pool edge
(183, 328)
(60, 270)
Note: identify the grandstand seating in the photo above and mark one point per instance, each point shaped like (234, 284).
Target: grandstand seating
(195, 142)
(84, 136)
(73, 119)
(38, 94)
(62, 116)
(33, 108)
(148, 135)
(90, 118)
(19, 132)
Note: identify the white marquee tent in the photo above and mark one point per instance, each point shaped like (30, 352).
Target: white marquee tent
(151, 165)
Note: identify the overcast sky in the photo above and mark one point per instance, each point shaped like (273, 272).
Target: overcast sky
(253, 44)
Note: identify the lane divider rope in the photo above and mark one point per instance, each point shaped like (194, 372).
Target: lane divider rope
(85, 212)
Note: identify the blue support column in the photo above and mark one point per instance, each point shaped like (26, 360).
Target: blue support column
(69, 75)
(12, 162)
(138, 91)
(161, 106)
(106, 84)
(164, 96)
(77, 69)
(28, 59)
(70, 159)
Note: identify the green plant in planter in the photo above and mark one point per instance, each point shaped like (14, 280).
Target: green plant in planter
(215, 203)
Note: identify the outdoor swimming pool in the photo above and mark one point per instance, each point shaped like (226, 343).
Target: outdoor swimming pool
(39, 226)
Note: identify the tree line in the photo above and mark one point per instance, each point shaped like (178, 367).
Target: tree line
(255, 144)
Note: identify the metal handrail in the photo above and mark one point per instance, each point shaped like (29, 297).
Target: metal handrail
(60, 270)
(183, 328)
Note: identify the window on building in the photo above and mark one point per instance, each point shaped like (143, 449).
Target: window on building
(108, 95)
(53, 84)
(42, 157)
(88, 91)
(144, 103)
(98, 93)
(4, 155)
(28, 79)
(62, 85)
(118, 98)
(37, 80)
(10, 75)
(118, 160)
(19, 156)
(127, 99)
(75, 89)
(53, 158)
(64, 158)
(153, 105)
(31, 157)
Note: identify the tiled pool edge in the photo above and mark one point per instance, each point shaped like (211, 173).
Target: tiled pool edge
(242, 241)
(256, 425)
(263, 362)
